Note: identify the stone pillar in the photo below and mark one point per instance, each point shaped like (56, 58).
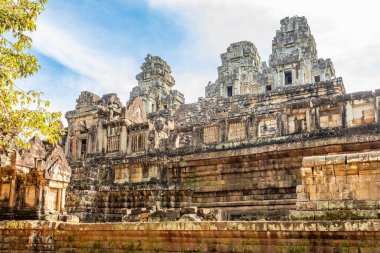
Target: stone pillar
(236, 88)
(301, 76)
(90, 140)
(104, 139)
(349, 114)
(46, 198)
(308, 123)
(100, 138)
(67, 144)
(123, 139)
(74, 147)
(12, 190)
(294, 75)
(59, 201)
(280, 78)
(40, 199)
(63, 196)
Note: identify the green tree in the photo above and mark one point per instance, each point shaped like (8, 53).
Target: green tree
(23, 114)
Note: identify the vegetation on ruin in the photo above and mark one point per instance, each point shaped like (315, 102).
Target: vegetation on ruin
(23, 114)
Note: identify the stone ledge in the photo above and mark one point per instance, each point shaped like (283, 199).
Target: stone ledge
(288, 226)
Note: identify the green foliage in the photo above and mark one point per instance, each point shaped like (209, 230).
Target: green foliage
(23, 114)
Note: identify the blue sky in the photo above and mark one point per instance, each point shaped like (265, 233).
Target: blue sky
(99, 45)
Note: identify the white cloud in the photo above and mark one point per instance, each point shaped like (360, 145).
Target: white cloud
(101, 71)
(345, 31)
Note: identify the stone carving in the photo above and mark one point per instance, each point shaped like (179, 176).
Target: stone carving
(211, 134)
(185, 140)
(267, 128)
(237, 131)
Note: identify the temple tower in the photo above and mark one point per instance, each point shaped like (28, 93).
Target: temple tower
(294, 55)
(155, 84)
(239, 72)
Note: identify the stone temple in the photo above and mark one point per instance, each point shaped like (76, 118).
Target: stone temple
(271, 143)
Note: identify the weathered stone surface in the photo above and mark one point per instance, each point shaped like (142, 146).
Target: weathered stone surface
(33, 183)
(345, 187)
(361, 236)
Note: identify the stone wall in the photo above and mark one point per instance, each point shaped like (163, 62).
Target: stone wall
(251, 183)
(287, 237)
(343, 186)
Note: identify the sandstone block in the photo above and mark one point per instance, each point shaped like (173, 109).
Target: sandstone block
(336, 205)
(299, 189)
(322, 205)
(374, 156)
(336, 226)
(310, 226)
(353, 158)
(319, 160)
(308, 161)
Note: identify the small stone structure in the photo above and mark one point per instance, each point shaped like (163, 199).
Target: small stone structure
(155, 84)
(33, 182)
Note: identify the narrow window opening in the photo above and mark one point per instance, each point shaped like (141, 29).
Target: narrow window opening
(229, 91)
(145, 171)
(83, 148)
(298, 125)
(269, 87)
(138, 143)
(317, 79)
(288, 77)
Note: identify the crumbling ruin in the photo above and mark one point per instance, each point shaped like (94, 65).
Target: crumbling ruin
(235, 154)
(33, 182)
(275, 142)
(281, 145)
